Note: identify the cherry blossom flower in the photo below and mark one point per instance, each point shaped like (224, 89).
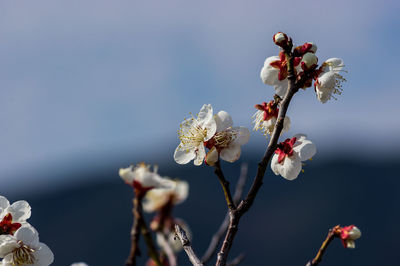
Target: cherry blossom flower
(157, 198)
(142, 178)
(348, 234)
(193, 133)
(24, 248)
(13, 216)
(266, 116)
(274, 72)
(328, 80)
(289, 155)
(79, 264)
(227, 141)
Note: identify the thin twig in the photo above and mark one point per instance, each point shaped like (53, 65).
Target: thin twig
(167, 249)
(135, 231)
(333, 232)
(151, 249)
(225, 186)
(212, 247)
(245, 205)
(237, 260)
(187, 246)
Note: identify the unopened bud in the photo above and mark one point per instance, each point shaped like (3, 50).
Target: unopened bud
(354, 233)
(280, 39)
(309, 60)
(212, 156)
(312, 47)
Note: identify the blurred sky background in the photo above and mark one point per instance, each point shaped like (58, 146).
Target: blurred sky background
(87, 81)
(88, 86)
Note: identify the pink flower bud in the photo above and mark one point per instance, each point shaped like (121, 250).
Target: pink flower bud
(280, 39)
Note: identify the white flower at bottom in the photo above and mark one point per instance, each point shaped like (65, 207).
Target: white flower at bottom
(79, 264)
(266, 116)
(227, 141)
(24, 248)
(289, 155)
(156, 199)
(140, 177)
(193, 133)
(329, 81)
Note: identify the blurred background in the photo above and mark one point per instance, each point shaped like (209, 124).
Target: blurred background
(90, 86)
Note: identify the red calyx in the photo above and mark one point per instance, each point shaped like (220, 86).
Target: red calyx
(7, 227)
(302, 50)
(270, 109)
(285, 148)
(281, 65)
(139, 189)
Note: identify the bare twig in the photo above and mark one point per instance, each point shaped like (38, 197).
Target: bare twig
(225, 186)
(237, 260)
(333, 232)
(187, 246)
(135, 231)
(167, 249)
(151, 249)
(245, 205)
(212, 247)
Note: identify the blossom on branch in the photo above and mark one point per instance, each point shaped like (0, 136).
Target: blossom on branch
(348, 234)
(24, 248)
(142, 179)
(157, 198)
(193, 133)
(266, 116)
(13, 216)
(289, 155)
(328, 80)
(227, 141)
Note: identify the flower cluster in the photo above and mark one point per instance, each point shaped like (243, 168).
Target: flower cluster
(327, 77)
(215, 132)
(19, 241)
(266, 116)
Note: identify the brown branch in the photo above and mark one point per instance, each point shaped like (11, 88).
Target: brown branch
(237, 260)
(225, 186)
(212, 247)
(187, 246)
(333, 232)
(135, 231)
(151, 249)
(167, 249)
(245, 205)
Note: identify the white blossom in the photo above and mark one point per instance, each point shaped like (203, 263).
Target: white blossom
(155, 199)
(270, 76)
(23, 248)
(13, 216)
(193, 133)
(142, 176)
(227, 141)
(79, 264)
(266, 116)
(289, 155)
(329, 80)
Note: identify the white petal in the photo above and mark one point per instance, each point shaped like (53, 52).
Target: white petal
(7, 244)
(355, 233)
(275, 165)
(126, 174)
(181, 192)
(28, 235)
(4, 203)
(79, 264)
(200, 155)
(223, 120)
(231, 153)
(242, 135)
(205, 114)
(304, 148)
(211, 127)
(183, 156)
(269, 74)
(20, 211)
(281, 87)
(289, 169)
(43, 255)
(212, 156)
(335, 63)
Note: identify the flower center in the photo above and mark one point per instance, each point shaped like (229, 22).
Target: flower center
(191, 134)
(7, 227)
(221, 139)
(269, 109)
(23, 255)
(284, 149)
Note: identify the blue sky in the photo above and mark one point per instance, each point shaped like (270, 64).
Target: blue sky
(100, 78)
